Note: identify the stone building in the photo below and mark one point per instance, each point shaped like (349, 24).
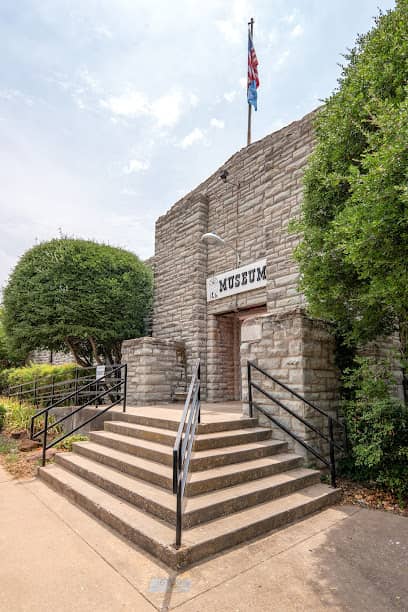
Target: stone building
(226, 313)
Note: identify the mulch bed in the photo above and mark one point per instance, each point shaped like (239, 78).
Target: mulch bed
(20, 464)
(368, 496)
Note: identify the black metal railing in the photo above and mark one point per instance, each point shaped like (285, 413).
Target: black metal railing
(332, 423)
(42, 393)
(183, 445)
(112, 385)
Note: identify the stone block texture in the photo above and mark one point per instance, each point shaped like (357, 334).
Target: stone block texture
(251, 211)
(299, 352)
(155, 368)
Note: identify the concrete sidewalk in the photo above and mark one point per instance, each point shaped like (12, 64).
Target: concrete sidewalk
(54, 556)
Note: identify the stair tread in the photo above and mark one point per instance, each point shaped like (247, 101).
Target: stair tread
(253, 464)
(250, 431)
(195, 477)
(228, 524)
(163, 449)
(137, 485)
(163, 534)
(122, 456)
(152, 527)
(198, 436)
(226, 450)
(137, 442)
(136, 427)
(171, 423)
(239, 490)
(165, 498)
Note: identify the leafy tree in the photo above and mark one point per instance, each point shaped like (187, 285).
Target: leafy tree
(9, 357)
(354, 219)
(77, 295)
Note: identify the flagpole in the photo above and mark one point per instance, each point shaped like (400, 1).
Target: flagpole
(251, 25)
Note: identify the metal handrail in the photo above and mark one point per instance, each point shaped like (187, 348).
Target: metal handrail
(331, 421)
(184, 443)
(45, 392)
(122, 396)
(32, 382)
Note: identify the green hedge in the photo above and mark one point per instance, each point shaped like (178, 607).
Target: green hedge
(43, 373)
(377, 425)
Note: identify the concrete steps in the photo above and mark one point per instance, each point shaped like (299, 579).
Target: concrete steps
(203, 441)
(198, 509)
(241, 484)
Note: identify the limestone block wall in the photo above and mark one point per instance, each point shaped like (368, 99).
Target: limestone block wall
(155, 368)
(179, 310)
(251, 211)
(299, 352)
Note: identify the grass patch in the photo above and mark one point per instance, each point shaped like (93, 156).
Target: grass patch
(16, 416)
(66, 445)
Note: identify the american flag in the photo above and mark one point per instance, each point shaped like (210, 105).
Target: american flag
(252, 63)
(253, 77)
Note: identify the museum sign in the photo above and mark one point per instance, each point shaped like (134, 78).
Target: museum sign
(245, 278)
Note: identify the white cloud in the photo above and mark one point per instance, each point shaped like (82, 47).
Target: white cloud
(243, 81)
(194, 136)
(297, 31)
(291, 17)
(229, 96)
(229, 30)
(167, 109)
(217, 123)
(281, 60)
(274, 36)
(131, 104)
(129, 192)
(102, 31)
(90, 81)
(193, 100)
(15, 94)
(136, 165)
(233, 29)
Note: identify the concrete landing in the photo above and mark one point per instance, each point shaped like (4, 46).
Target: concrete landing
(341, 559)
(210, 411)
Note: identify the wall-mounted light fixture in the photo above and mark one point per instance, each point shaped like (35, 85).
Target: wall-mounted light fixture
(214, 239)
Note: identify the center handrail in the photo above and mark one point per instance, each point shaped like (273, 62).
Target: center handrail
(183, 444)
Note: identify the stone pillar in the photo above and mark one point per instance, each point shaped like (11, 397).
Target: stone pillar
(155, 368)
(299, 352)
(180, 299)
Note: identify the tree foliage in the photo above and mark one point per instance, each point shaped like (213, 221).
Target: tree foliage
(9, 356)
(377, 426)
(354, 219)
(77, 295)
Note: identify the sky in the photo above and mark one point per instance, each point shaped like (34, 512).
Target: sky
(112, 110)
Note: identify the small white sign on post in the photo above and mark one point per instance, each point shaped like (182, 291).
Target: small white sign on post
(100, 371)
(245, 278)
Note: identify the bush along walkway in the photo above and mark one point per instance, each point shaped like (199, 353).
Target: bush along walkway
(18, 454)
